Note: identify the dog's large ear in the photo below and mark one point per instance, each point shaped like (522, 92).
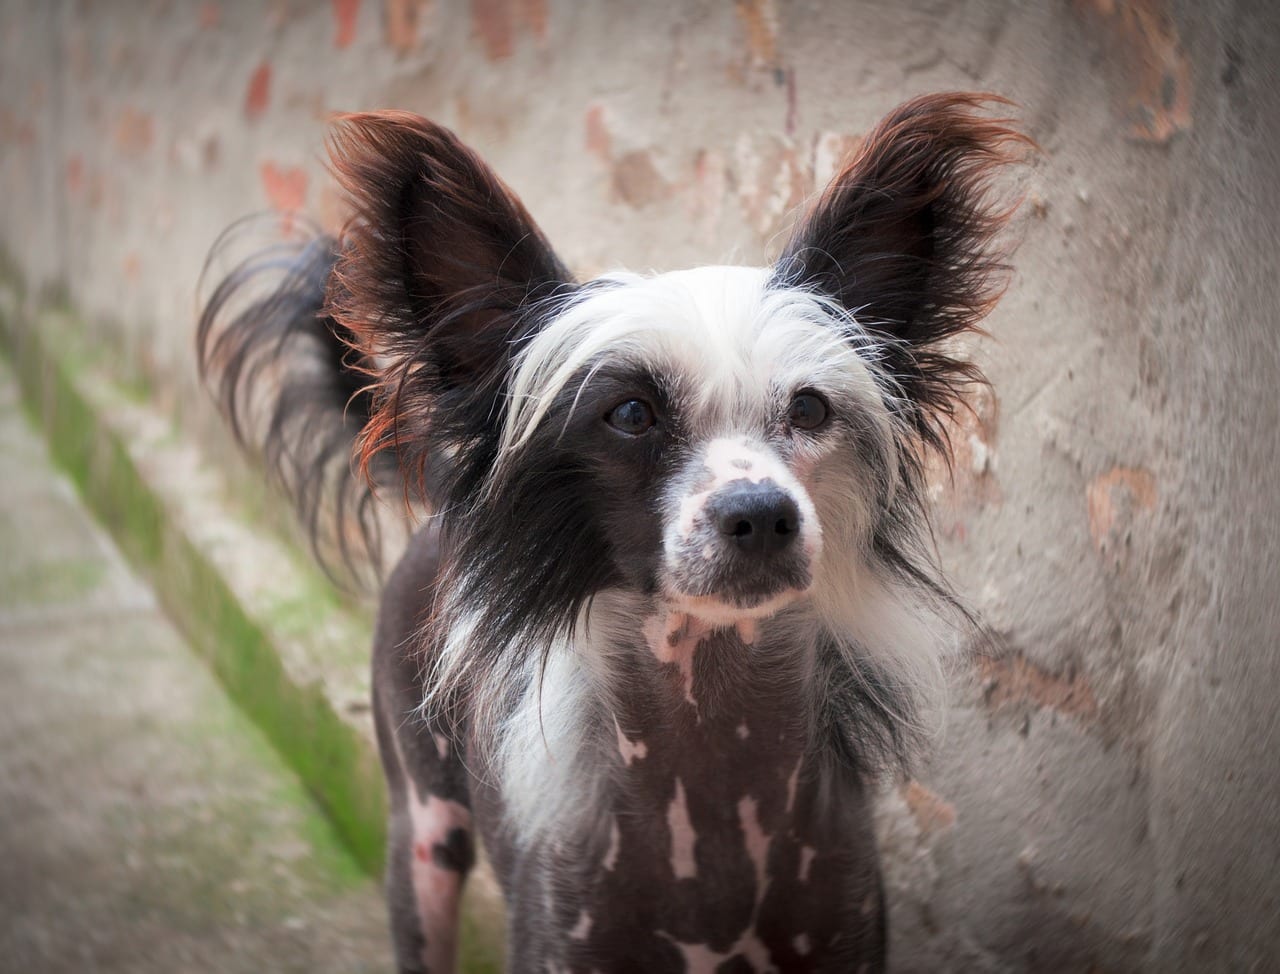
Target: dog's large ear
(442, 273)
(903, 240)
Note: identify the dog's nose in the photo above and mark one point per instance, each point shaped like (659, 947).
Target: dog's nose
(758, 518)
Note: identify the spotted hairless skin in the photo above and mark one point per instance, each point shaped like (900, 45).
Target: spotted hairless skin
(725, 847)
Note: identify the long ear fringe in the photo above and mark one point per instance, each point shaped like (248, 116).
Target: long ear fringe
(905, 239)
(280, 371)
(437, 266)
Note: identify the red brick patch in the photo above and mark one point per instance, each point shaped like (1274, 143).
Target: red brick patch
(285, 188)
(760, 19)
(534, 14)
(707, 193)
(966, 482)
(134, 132)
(637, 181)
(931, 812)
(599, 141)
(497, 23)
(1013, 680)
(345, 13)
(406, 22)
(772, 180)
(257, 95)
(1114, 500)
(1141, 40)
(492, 22)
(831, 150)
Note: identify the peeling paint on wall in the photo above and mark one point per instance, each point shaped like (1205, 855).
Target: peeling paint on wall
(346, 14)
(1115, 499)
(932, 814)
(284, 186)
(134, 131)
(1014, 681)
(759, 18)
(772, 180)
(1109, 516)
(257, 94)
(407, 23)
(1141, 40)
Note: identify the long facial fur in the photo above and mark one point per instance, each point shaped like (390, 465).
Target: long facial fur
(489, 364)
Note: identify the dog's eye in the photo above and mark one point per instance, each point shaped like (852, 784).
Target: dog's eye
(808, 411)
(633, 417)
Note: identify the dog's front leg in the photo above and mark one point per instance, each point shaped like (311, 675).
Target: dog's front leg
(429, 837)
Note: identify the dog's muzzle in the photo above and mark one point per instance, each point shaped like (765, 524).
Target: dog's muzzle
(746, 537)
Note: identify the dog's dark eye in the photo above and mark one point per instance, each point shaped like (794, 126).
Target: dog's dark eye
(808, 411)
(632, 417)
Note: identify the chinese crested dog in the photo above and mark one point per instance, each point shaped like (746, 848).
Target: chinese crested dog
(676, 601)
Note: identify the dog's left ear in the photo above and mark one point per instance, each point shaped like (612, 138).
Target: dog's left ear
(903, 237)
(441, 274)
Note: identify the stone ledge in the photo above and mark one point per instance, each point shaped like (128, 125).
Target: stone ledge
(288, 651)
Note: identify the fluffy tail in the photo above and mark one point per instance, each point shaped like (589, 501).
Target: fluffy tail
(289, 384)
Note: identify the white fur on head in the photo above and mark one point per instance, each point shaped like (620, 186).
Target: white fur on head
(723, 329)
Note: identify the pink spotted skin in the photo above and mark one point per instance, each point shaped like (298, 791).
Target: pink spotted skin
(731, 848)
(726, 845)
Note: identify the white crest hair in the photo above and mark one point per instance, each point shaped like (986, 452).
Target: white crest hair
(718, 325)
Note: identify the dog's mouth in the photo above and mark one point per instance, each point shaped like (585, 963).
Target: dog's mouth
(726, 610)
(713, 580)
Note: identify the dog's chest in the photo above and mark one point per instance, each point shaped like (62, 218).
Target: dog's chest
(722, 848)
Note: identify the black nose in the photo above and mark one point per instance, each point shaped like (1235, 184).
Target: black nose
(759, 518)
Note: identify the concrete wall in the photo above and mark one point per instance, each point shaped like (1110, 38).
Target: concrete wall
(1104, 795)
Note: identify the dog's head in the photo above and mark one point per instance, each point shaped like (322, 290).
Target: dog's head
(723, 440)
(717, 420)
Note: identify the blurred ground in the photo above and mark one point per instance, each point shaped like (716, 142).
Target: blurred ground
(147, 824)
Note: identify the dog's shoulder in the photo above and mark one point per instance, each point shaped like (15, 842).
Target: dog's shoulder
(407, 598)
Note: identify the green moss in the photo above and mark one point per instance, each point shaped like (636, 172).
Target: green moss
(54, 295)
(306, 610)
(479, 950)
(256, 803)
(138, 389)
(10, 275)
(48, 581)
(337, 766)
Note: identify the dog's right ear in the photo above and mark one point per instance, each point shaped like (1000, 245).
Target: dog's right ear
(442, 274)
(904, 240)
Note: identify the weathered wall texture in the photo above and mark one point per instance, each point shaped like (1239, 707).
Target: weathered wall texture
(1104, 795)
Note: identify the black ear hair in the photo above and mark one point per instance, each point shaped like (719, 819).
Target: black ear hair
(441, 273)
(903, 239)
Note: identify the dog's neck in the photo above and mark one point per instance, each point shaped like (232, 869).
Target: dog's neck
(691, 677)
(724, 714)
(713, 732)
(718, 802)
(638, 688)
